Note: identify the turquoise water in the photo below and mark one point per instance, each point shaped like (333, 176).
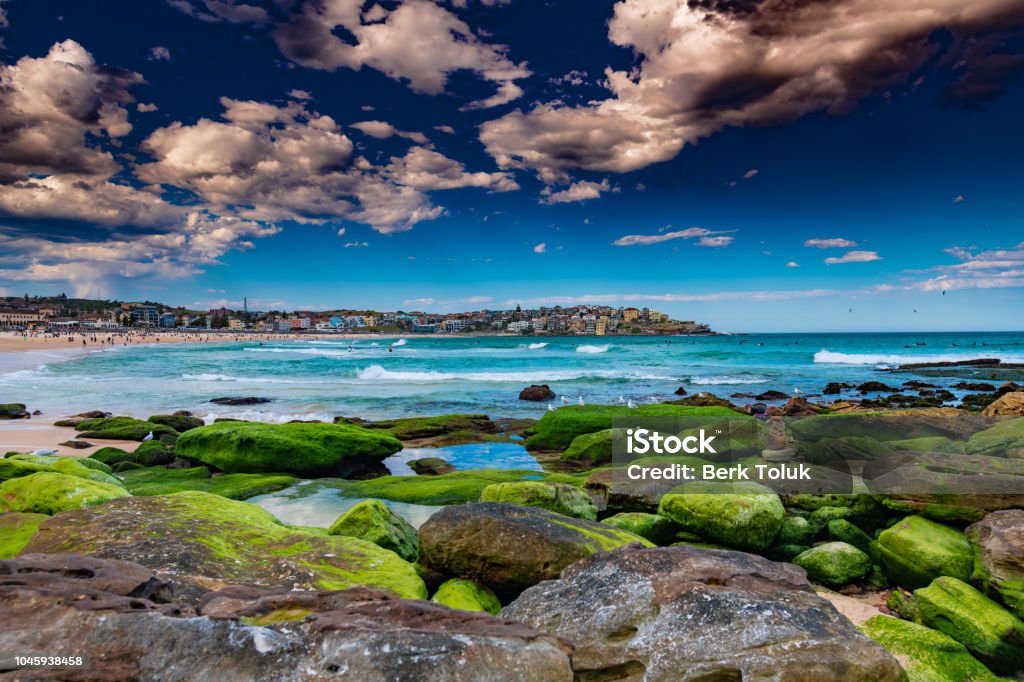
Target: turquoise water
(316, 503)
(312, 379)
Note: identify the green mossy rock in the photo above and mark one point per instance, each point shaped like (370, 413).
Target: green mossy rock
(556, 430)
(845, 448)
(153, 453)
(842, 530)
(834, 563)
(743, 521)
(16, 465)
(160, 480)
(993, 634)
(998, 440)
(886, 425)
(457, 487)
(658, 529)
(594, 448)
(308, 450)
(925, 654)
(121, 428)
(928, 444)
(998, 542)
(557, 497)
(905, 605)
(204, 542)
(373, 521)
(179, 422)
(112, 456)
(16, 529)
(915, 551)
(13, 411)
(796, 530)
(466, 595)
(52, 493)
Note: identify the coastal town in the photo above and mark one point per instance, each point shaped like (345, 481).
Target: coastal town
(55, 313)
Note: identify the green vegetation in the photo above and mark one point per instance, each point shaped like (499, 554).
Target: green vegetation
(373, 521)
(52, 493)
(467, 595)
(998, 440)
(658, 529)
(561, 498)
(925, 654)
(122, 428)
(457, 487)
(160, 480)
(834, 563)
(915, 551)
(743, 521)
(16, 529)
(308, 450)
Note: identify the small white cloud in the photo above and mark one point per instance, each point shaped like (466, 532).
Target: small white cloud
(577, 191)
(750, 173)
(959, 199)
(145, 108)
(341, 232)
(540, 248)
(792, 264)
(160, 54)
(832, 243)
(645, 239)
(299, 94)
(355, 245)
(715, 242)
(854, 257)
(445, 129)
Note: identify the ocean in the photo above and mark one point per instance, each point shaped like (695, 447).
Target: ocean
(320, 379)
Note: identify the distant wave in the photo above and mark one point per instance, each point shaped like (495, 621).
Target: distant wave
(378, 373)
(727, 379)
(829, 357)
(247, 380)
(268, 417)
(537, 346)
(318, 352)
(593, 349)
(400, 342)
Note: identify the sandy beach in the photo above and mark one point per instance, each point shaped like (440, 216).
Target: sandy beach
(28, 435)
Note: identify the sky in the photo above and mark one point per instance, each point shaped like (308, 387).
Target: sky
(759, 165)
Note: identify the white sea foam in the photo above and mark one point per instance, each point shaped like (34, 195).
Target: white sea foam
(727, 380)
(537, 346)
(248, 380)
(830, 357)
(593, 349)
(379, 374)
(400, 342)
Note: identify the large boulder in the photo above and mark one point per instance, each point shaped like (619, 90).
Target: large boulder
(206, 542)
(989, 631)
(303, 449)
(14, 411)
(927, 655)
(998, 542)
(119, 616)
(739, 520)
(594, 448)
(834, 563)
(537, 393)
(17, 465)
(679, 613)
(999, 440)
(1006, 405)
(915, 551)
(160, 480)
(658, 529)
(561, 498)
(373, 521)
(431, 466)
(52, 493)
(510, 548)
(122, 428)
(556, 430)
(179, 422)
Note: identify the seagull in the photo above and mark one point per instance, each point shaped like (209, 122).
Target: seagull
(797, 391)
(44, 452)
(149, 436)
(551, 408)
(580, 401)
(622, 401)
(631, 405)
(565, 401)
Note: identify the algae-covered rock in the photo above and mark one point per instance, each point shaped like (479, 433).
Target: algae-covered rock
(557, 497)
(440, 430)
(890, 425)
(834, 563)
(842, 530)
(179, 422)
(743, 521)
(998, 542)
(845, 448)
(926, 655)
(594, 448)
(466, 595)
(510, 548)
(110, 456)
(52, 493)
(122, 428)
(163, 481)
(17, 465)
(796, 530)
(915, 551)
(431, 466)
(13, 411)
(373, 521)
(660, 530)
(993, 634)
(556, 430)
(205, 542)
(16, 529)
(998, 440)
(153, 453)
(304, 449)
(928, 444)
(454, 488)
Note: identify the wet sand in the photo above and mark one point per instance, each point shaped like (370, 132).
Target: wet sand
(27, 435)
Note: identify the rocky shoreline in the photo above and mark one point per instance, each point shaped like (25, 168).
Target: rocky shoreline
(131, 556)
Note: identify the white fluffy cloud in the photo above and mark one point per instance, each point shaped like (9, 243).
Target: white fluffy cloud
(700, 233)
(706, 65)
(427, 169)
(418, 42)
(577, 191)
(383, 130)
(853, 257)
(831, 243)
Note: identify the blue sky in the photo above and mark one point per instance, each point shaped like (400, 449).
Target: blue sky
(479, 153)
